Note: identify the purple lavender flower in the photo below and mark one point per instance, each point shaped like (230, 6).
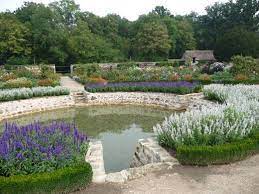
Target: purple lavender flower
(56, 144)
(157, 84)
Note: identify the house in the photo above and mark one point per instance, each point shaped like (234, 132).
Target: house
(198, 55)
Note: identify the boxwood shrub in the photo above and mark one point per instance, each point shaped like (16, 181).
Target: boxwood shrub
(219, 154)
(63, 180)
(177, 90)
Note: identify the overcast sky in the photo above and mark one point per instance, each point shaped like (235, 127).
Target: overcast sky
(130, 9)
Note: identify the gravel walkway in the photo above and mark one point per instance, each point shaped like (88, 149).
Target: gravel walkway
(71, 84)
(241, 177)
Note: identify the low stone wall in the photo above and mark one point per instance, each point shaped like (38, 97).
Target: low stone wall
(149, 151)
(149, 157)
(164, 100)
(95, 157)
(28, 106)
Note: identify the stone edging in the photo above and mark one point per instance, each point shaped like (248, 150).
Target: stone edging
(95, 157)
(169, 101)
(17, 108)
(151, 157)
(149, 151)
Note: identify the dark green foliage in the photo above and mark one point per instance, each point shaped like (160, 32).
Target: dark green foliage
(229, 28)
(245, 65)
(125, 66)
(176, 90)
(219, 154)
(64, 180)
(60, 33)
(237, 41)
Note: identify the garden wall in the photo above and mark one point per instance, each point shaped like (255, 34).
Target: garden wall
(148, 151)
(164, 100)
(21, 107)
(168, 101)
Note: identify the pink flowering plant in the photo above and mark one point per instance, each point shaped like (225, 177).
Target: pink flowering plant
(37, 148)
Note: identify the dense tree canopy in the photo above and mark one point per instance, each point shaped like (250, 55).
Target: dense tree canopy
(61, 33)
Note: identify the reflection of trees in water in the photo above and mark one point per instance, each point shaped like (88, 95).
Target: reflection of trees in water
(97, 119)
(126, 110)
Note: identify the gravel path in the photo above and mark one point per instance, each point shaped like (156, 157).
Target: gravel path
(241, 177)
(67, 82)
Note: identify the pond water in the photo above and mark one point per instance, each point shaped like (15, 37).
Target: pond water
(118, 127)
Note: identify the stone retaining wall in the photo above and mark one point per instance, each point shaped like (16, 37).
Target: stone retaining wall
(164, 100)
(95, 157)
(21, 107)
(149, 157)
(149, 151)
(168, 101)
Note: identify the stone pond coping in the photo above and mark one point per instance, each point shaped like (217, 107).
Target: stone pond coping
(169, 101)
(148, 157)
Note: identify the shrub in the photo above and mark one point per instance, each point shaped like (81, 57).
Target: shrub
(221, 77)
(23, 72)
(65, 180)
(46, 71)
(97, 80)
(175, 77)
(125, 66)
(244, 65)
(166, 64)
(205, 77)
(8, 76)
(25, 93)
(180, 87)
(241, 77)
(18, 83)
(89, 69)
(187, 77)
(220, 154)
(47, 82)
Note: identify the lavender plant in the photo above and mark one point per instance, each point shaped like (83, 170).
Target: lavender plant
(36, 148)
(233, 120)
(181, 87)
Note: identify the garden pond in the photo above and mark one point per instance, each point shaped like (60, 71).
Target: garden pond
(118, 127)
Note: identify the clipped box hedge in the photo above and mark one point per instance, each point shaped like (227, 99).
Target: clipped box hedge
(63, 180)
(220, 154)
(176, 90)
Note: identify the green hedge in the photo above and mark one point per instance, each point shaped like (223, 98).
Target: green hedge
(64, 180)
(220, 154)
(176, 90)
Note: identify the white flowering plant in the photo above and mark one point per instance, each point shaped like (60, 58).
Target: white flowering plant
(25, 93)
(234, 118)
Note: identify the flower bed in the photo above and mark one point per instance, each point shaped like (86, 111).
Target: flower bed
(25, 93)
(27, 77)
(180, 87)
(215, 135)
(37, 158)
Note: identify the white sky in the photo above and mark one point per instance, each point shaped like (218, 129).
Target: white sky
(130, 9)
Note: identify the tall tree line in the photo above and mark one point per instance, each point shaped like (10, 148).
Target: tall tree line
(61, 33)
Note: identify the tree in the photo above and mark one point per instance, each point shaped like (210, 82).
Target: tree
(161, 11)
(152, 42)
(48, 37)
(237, 41)
(224, 16)
(67, 11)
(185, 37)
(13, 39)
(86, 47)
